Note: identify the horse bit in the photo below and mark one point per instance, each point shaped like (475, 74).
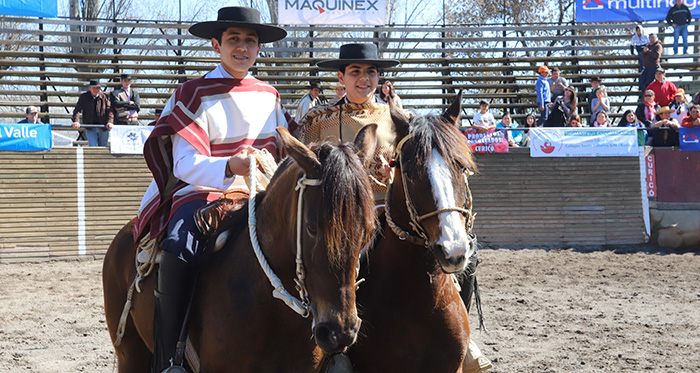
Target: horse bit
(416, 219)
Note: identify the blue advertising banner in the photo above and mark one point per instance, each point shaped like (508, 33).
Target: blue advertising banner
(25, 137)
(689, 138)
(29, 8)
(628, 10)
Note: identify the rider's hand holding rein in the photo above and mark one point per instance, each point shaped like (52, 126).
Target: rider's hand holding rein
(239, 164)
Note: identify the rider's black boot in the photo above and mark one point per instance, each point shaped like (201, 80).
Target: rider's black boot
(173, 291)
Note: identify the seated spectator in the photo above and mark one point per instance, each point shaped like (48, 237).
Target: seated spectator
(664, 130)
(692, 120)
(575, 121)
(601, 120)
(629, 119)
(385, 91)
(639, 40)
(530, 122)
(515, 138)
(483, 120)
(557, 84)
(32, 115)
(600, 103)
(664, 90)
(679, 105)
(562, 109)
(646, 111)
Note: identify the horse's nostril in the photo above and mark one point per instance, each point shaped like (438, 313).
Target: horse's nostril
(331, 339)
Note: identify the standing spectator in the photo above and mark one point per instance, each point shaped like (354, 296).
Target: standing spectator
(679, 105)
(692, 120)
(678, 17)
(562, 109)
(339, 94)
(664, 130)
(601, 120)
(651, 55)
(309, 101)
(557, 84)
(32, 115)
(595, 84)
(664, 90)
(600, 103)
(639, 40)
(125, 102)
(530, 122)
(388, 91)
(646, 111)
(575, 121)
(96, 109)
(483, 120)
(544, 95)
(515, 138)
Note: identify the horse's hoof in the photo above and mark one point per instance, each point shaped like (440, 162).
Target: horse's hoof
(340, 363)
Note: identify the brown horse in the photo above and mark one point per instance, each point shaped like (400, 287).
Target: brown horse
(413, 318)
(236, 324)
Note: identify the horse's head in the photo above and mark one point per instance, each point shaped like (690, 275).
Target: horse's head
(434, 159)
(337, 221)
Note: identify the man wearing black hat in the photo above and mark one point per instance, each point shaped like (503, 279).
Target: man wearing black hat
(125, 102)
(96, 109)
(307, 102)
(358, 69)
(197, 149)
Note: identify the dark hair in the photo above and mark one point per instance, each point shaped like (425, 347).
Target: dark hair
(555, 69)
(482, 102)
(623, 121)
(534, 119)
(219, 34)
(596, 79)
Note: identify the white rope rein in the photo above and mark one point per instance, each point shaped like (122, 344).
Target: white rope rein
(299, 305)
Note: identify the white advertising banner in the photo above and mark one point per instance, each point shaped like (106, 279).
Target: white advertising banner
(583, 142)
(128, 139)
(332, 12)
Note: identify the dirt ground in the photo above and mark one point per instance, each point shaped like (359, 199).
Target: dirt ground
(547, 310)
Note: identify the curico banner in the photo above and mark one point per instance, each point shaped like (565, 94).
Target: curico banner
(488, 142)
(128, 139)
(332, 12)
(583, 142)
(689, 138)
(29, 8)
(628, 10)
(25, 137)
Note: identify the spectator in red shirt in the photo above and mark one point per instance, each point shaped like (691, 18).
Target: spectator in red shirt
(692, 120)
(664, 90)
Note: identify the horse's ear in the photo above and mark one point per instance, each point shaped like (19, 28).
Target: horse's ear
(452, 112)
(300, 153)
(366, 142)
(400, 120)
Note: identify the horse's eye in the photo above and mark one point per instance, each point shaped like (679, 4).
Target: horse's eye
(311, 229)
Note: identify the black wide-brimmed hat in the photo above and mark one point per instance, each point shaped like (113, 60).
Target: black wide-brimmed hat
(94, 83)
(238, 16)
(125, 76)
(357, 53)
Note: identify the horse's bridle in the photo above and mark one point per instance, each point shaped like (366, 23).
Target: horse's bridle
(422, 236)
(300, 305)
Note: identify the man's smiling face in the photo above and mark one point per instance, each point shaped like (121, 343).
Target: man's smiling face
(238, 48)
(360, 81)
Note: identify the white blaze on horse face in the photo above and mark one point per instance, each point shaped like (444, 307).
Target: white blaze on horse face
(453, 236)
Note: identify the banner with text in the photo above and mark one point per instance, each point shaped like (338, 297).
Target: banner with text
(332, 12)
(583, 142)
(25, 137)
(128, 139)
(29, 8)
(628, 10)
(488, 142)
(689, 138)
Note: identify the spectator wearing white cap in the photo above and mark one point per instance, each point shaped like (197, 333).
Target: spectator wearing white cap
(32, 114)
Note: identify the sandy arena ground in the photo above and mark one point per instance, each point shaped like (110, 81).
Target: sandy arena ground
(547, 310)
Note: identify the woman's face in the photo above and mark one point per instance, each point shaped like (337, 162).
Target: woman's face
(386, 87)
(506, 120)
(600, 93)
(530, 121)
(568, 94)
(649, 97)
(575, 123)
(631, 118)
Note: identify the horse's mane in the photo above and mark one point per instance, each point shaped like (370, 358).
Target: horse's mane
(347, 198)
(434, 132)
